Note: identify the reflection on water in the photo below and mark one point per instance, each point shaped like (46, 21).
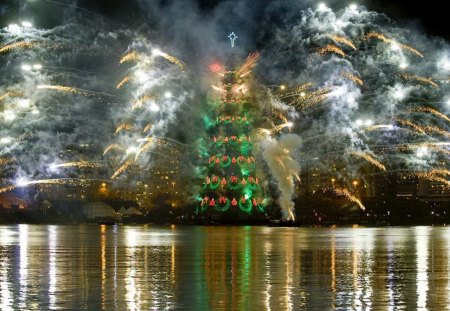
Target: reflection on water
(223, 268)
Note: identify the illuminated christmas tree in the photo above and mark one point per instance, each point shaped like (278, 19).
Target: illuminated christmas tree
(228, 168)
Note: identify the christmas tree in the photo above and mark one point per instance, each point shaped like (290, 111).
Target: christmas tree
(228, 168)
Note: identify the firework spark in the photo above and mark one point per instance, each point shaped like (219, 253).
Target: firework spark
(124, 127)
(138, 103)
(369, 158)
(130, 57)
(124, 81)
(112, 147)
(249, 63)
(122, 168)
(379, 36)
(78, 164)
(419, 80)
(17, 45)
(432, 111)
(171, 59)
(330, 48)
(65, 89)
(343, 40)
(353, 78)
(345, 193)
(147, 128)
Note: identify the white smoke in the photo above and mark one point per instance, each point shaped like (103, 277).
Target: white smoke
(279, 155)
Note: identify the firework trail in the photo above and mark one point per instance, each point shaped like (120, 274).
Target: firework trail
(17, 45)
(416, 127)
(369, 158)
(123, 82)
(420, 80)
(78, 164)
(353, 78)
(130, 57)
(143, 148)
(343, 40)
(351, 197)
(379, 127)
(379, 36)
(112, 147)
(124, 127)
(122, 168)
(147, 128)
(280, 127)
(171, 59)
(432, 111)
(138, 103)
(249, 63)
(65, 89)
(330, 48)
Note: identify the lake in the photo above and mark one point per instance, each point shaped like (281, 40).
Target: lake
(98, 267)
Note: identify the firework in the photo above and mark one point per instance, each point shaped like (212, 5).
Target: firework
(304, 100)
(345, 193)
(122, 168)
(343, 40)
(123, 82)
(369, 158)
(419, 80)
(17, 45)
(143, 147)
(112, 147)
(278, 128)
(432, 111)
(124, 127)
(330, 48)
(140, 101)
(353, 78)
(65, 89)
(416, 127)
(249, 63)
(147, 128)
(130, 57)
(379, 36)
(280, 116)
(171, 59)
(431, 176)
(379, 127)
(78, 164)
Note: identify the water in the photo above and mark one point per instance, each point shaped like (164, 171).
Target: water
(88, 267)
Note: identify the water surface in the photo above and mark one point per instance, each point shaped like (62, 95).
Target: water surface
(90, 267)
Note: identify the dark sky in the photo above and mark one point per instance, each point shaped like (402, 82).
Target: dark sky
(431, 14)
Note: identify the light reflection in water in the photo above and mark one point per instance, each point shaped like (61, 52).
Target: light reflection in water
(132, 291)
(23, 268)
(223, 268)
(6, 300)
(422, 235)
(103, 260)
(52, 267)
